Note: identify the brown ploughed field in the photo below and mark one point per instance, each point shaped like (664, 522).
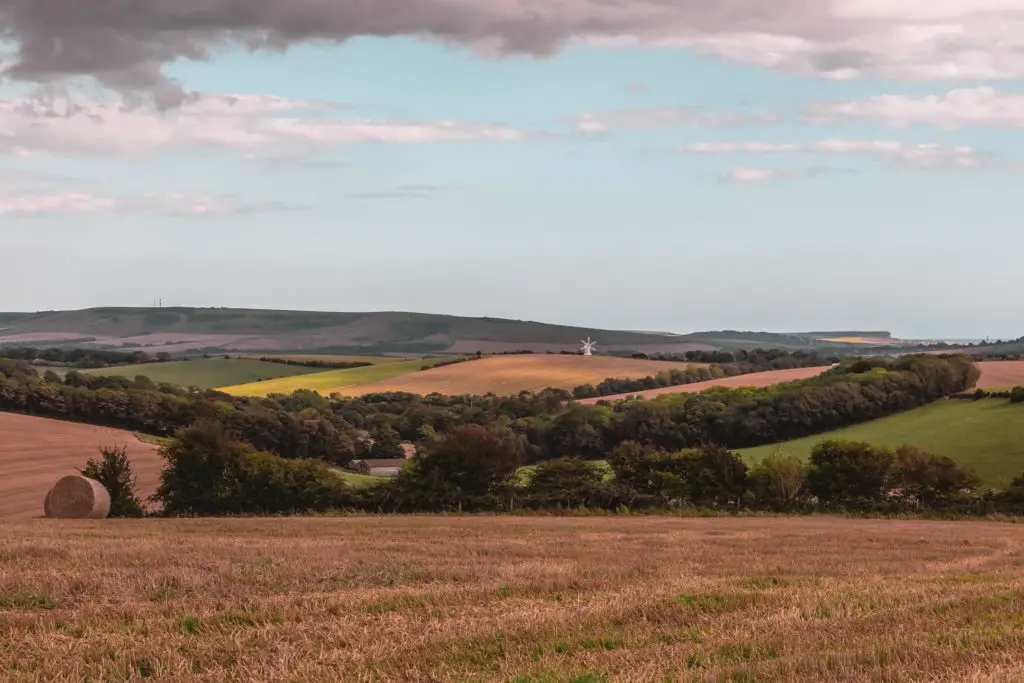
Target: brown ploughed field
(35, 453)
(770, 600)
(509, 375)
(1001, 374)
(755, 380)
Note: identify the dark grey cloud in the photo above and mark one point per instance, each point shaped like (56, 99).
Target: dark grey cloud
(126, 43)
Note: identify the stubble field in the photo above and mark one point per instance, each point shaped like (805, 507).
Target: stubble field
(512, 599)
(35, 453)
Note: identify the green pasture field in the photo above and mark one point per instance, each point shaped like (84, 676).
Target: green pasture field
(204, 373)
(987, 435)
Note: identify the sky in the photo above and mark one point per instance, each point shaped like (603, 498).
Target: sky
(675, 165)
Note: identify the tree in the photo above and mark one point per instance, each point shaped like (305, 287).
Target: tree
(115, 472)
(779, 481)
(1017, 395)
(471, 459)
(929, 478)
(566, 482)
(201, 464)
(714, 476)
(849, 473)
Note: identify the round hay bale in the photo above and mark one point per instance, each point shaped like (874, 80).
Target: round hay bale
(77, 497)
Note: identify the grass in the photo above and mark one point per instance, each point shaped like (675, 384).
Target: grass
(333, 381)
(359, 481)
(374, 360)
(511, 599)
(987, 435)
(205, 373)
(511, 374)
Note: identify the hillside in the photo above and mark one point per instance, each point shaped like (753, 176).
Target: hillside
(987, 435)
(185, 329)
(1001, 374)
(509, 375)
(35, 453)
(754, 380)
(179, 330)
(333, 381)
(205, 373)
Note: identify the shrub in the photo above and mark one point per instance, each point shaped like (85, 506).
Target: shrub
(927, 478)
(779, 481)
(567, 482)
(848, 473)
(114, 471)
(209, 474)
(1017, 395)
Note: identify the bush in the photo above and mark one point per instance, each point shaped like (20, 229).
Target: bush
(1017, 395)
(848, 473)
(115, 472)
(779, 482)
(926, 478)
(209, 474)
(567, 482)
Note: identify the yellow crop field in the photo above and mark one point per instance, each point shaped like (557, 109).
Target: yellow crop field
(509, 375)
(305, 358)
(333, 381)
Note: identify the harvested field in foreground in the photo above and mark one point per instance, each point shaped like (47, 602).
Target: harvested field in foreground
(35, 453)
(1002, 374)
(512, 599)
(757, 379)
(509, 375)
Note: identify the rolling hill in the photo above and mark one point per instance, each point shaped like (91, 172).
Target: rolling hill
(333, 381)
(754, 380)
(35, 453)
(180, 330)
(509, 375)
(987, 435)
(205, 373)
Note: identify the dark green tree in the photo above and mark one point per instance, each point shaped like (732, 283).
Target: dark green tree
(849, 473)
(114, 471)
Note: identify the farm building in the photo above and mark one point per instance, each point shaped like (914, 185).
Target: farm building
(378, 468)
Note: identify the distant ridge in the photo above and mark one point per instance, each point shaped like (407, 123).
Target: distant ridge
(218, 330)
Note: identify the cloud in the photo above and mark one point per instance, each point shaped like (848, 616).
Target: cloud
(54, 121)
(400, 192)
(926, 155)
(40, 202)
(642, 118)
(756, 174)
(959, 108)
(125, 45)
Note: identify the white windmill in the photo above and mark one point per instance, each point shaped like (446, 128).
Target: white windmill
(588, 347)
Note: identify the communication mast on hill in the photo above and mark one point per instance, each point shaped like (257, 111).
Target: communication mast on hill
(588, 347)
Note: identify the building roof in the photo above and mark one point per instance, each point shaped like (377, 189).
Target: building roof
(373, 464)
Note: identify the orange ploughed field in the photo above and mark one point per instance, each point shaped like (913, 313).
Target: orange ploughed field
(36, 452)
(1002, 374)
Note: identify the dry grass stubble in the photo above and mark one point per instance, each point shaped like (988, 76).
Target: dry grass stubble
(511, 599)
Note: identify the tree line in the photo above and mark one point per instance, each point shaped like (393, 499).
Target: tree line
(83, 359)
(476, 469)
(306, 425)
(720, 364)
